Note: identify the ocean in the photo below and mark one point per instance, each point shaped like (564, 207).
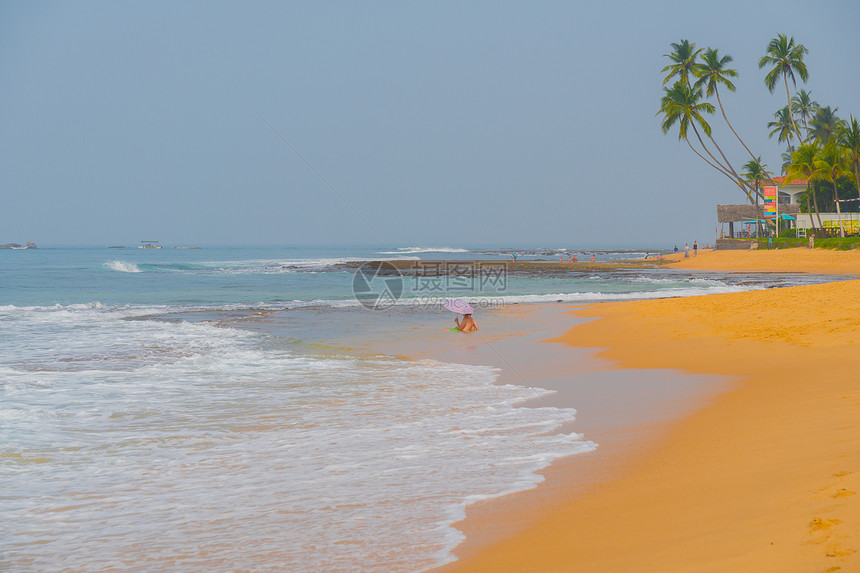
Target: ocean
(199, 409)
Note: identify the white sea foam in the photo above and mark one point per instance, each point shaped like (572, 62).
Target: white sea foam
(241, 267)
(664, 288)
(275, 266)
(416, 250)
(696, 288)
(123, 267)
(676, 281)
(166, 436)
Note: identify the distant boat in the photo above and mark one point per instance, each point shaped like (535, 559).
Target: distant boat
(149, 245)
(116, 247)
(17, 247)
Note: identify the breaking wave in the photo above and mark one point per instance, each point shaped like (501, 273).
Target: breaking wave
(415, 250)
(123, 267)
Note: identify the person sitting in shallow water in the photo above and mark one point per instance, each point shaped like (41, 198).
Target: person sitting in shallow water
(468, 324)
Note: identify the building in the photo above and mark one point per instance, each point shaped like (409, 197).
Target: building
(789, 190)
(742, 219)
(789, 194)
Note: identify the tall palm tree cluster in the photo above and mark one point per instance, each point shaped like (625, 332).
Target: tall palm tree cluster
(821, 147)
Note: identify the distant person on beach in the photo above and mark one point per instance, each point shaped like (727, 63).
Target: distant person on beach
(575, 259)
(514, 256)
(468, 324)
(676, 248)
(695, 248)
(592, 257)
(811, 240)
(686, 251)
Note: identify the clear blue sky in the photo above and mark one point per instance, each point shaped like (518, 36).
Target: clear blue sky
(440, 123)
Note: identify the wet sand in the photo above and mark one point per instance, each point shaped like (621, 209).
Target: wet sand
(756, 470)
(622, 412)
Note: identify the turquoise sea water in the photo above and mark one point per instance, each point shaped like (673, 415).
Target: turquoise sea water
(140, 430)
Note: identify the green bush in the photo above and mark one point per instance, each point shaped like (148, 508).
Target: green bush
(782, 243)
(835, 243)
(838, 243)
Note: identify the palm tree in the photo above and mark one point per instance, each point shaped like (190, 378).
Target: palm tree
(786, 158)
(825, 124)
(684, 64)
(713, 72)
(755, 173)
(830, 166)
(682, 104)
(782, 126)
(786, 57)
(804, 107)
(802, 167)
(849, 139)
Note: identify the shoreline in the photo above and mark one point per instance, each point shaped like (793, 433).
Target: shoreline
(623, 411)
(773, 489)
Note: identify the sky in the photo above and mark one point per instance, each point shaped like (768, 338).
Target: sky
(445, 123)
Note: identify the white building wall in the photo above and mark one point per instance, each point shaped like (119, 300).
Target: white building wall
(794, 191)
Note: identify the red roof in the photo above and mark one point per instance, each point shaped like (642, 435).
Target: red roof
(781, 180)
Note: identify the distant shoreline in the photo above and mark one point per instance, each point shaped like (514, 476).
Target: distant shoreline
(17, 247)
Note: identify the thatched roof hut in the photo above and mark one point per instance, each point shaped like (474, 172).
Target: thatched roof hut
(734, 213)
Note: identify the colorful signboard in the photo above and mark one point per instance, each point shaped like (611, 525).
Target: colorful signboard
(769, 202)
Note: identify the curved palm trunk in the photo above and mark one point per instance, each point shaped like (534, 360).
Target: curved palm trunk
(758, 192)
(717, 167)
(838, 210)
(728, 165)
(790, 114)
(758, 220)
(727, 169)
(720, 102)
(811, 188)
(737, 178)
(720, 166)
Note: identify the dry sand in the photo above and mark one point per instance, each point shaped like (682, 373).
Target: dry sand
(765, 478)
(819, 261)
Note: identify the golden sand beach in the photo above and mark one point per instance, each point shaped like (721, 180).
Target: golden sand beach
(820, 261)
(766, 477)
